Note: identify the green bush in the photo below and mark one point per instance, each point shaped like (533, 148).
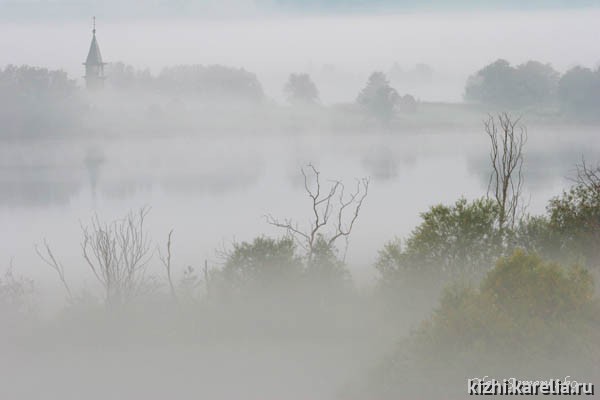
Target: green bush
(462, 240)
(263, 264)
(523, 305)
(575, 218)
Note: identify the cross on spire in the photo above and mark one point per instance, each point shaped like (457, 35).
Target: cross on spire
(94, 23)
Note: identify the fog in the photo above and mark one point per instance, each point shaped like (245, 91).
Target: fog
(349, 47)
(274, 200)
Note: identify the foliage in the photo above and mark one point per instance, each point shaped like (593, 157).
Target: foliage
(522, 302)
(407, 104)
(500, 84)
(207, 82)
(263, 264)
(378, 98)
(458, 240)
(579, 92)
(269, 266)
(126, 77)
(27, 81)
(534, 234)
(574, 218)
(210, 82)
(326, 269)
(300, 89)
(37, 100)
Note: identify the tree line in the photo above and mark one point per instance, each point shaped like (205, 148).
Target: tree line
(537, 86)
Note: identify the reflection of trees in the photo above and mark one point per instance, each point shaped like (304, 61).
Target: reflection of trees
(37, 186)
(93, 162)
(543, 167)
(382, 163)
(209, 183)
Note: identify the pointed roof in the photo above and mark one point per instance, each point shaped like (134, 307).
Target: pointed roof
(94, 56)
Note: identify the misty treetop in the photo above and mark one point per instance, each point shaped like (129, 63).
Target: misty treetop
(529, 84)
(208, 82)
(579, 92)
(381, 101)
(37, 101)
(35, 81)
(537, 86)
(300, 89)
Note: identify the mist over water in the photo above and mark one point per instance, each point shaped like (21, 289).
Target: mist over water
(216, 190)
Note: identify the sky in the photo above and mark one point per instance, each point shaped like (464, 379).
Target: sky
(15, 10)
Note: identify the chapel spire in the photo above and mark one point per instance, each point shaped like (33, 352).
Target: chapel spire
(94, 66)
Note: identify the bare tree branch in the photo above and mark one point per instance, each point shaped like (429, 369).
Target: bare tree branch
(507, 139)
(325, 205)
(588, 176)
(118, 254)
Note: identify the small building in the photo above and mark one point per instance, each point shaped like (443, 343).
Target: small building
(94, 67)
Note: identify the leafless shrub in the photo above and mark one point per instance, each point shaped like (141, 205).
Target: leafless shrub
(118, 254)
(507, 139)
(333, 211)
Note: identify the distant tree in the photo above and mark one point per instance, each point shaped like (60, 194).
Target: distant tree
(579, 92)
(123, 76)
(26, 81)
(211, 82)
(500, 84)
(301, 90)
(36, 101)
(536, 83)
(494, 84)
(378, 98)
(407, 104)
